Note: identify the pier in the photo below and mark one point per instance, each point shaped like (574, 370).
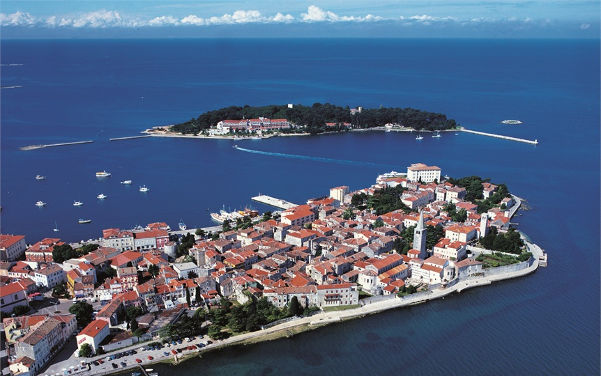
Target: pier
(535, 142)
(128, 137)
(275, 202)
(33, 147)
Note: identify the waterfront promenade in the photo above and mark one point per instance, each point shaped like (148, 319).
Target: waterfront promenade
(533, 142)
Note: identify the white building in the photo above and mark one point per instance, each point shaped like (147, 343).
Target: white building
(461, 233)
(337, 295)
(93, 334)
(425, 173)
(115, 238)
(184, 269)
(12, 247)
(50, 276)
(450, 250)
(338, 193)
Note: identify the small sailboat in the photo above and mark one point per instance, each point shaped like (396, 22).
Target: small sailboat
(40, 204)
(419, 137)
(40, 177)
(126, 182)
(101, 196)
(84, 221)
(182, 226)
(144, 189)
(78, 203)
(436, 135)
(55, 229)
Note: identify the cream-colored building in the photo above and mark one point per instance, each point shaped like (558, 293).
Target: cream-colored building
(338, 193)
(93, 334)
(425, 173)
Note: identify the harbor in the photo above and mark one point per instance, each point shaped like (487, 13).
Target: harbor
(533, 142)
(275, 202)
(34, 147)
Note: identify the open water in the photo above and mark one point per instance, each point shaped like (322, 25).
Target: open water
(546, 323)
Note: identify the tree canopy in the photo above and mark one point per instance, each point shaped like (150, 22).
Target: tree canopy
(83, 312)
(314, 117)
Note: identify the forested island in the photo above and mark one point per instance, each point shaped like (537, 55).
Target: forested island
(320, 117)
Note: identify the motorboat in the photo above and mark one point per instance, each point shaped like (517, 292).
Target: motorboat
(84, 221)
(512, 122)
(144, 189)
(419, 137)
(40, 177)
(101, 196)
(436, 135)
(40, 204)
(182, 226)
(126, 182)
(78, 203)
(103, 174)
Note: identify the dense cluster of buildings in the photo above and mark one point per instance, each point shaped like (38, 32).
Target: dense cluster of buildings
(315, 252)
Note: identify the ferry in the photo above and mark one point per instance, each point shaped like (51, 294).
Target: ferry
(78, 203)
(101, 196)
(144, 189)
(40, 204)
(103, 174)
(437, 135)
(126, 182)
(222, 216)
(419, 137)
(40, 177)
(182, 226)
(84, 221)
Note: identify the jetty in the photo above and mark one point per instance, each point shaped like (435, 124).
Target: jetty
(128, 137)
(33, 147)
(533, 142)
(275, 202)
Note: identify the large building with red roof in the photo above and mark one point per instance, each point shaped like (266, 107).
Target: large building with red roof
(93, 334)
(11, 247)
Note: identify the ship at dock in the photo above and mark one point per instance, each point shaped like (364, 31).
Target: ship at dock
(223, 215)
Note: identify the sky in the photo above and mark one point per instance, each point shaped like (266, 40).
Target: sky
(331, 18)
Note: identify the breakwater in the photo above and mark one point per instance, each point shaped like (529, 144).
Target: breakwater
(276, 202)
(510, 138)
(128, 137)
(34, 147)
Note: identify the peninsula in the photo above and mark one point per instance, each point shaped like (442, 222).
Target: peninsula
(296, 119)
(134, 297)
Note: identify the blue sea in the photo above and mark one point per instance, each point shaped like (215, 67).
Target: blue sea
(543, 324)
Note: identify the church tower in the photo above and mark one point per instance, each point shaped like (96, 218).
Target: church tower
(483, 225)
(419, 236)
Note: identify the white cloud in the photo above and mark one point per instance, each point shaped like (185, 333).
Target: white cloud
(96, 19)
(193, 20)
(17, 19)
(282, 18)
(163, 20)
(316, 14)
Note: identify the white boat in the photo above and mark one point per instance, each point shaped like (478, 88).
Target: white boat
(182, 226)
(217, 218)
(78, 203)
(55, 229)
(511, 122)
(103, 174)
(101, 196)
(84, 221)
(144, 189)
(126, 182)
(437, 135)
(40, 204)
(419, 137)
(40, 177)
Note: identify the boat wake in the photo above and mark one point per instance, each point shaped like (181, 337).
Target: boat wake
(311, 158)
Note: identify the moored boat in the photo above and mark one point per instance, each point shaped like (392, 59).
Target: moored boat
(182, 226)
(40, 177)
(101, 196)
(144, 189)
(40, 204)
(103, 174)
(126, 182)
(78, 203)
(84, 221)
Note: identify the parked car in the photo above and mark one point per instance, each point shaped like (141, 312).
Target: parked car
(138, 360)
(165, 353)
(150, 357)
(114, 365)
(123, 364)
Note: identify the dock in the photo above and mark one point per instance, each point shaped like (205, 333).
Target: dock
(275, 202)
(128, 137)
(533, 142)
(33, 147)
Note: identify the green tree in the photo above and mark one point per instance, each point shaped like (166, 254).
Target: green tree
(188, 300)
(266, 216)
(348, 213)
(85, 351)
(21, 310)
(378, 223)
(294, 307)
(131, 312)
(226, 226)
(60, 291)
(63, 252)
(153, 270)
(133, 325)
(83, 312)
(200, 232)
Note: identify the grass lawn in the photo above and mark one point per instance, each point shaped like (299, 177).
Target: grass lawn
(497, 259)
(341, 308)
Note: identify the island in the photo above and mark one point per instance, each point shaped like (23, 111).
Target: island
(297, 119)
(144, 295)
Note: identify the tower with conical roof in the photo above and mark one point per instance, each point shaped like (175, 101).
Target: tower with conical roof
(419, 236)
